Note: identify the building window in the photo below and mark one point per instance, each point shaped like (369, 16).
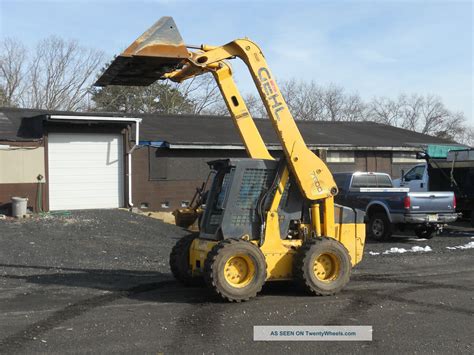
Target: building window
(340, 157)
(405, 157)
(158, 168)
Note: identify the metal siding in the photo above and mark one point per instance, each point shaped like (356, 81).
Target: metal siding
(383, 161)
(342, 167)
(85, 171)
(21, 165)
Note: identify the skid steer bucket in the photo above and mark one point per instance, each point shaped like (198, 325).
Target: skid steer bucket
(157, 51)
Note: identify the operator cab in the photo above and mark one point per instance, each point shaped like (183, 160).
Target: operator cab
(240, 195)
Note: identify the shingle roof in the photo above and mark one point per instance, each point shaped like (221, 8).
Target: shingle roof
(192, 129)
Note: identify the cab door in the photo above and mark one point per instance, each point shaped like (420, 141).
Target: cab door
(416, 179)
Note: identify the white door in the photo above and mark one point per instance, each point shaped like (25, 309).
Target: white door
(85, 171)
(415, 179)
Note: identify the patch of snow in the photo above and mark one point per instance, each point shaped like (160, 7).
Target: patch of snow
(395, 250)
(469, 245)
(416, 248)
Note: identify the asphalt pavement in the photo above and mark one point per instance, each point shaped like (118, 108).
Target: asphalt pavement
(99, 282)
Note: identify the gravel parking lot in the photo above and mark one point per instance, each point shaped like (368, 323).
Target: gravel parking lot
(99, 281)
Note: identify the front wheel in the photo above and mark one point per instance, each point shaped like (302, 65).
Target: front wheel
(235, 269)
(379, 227)
(322, 266)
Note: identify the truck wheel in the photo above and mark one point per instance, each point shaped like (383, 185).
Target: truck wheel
(235, 269)
(472, 218)
(322, 266)
(179, 261)
(425, 232)
(379, 227)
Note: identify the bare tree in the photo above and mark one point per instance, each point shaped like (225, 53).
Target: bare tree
(423, 114)
(385, 110)
(309, 101)
(354, 109)
(451, 127)
(255, 106)
(304, 99)
(409, 110)
(466, 136)
(201, 91)
(12, 70)
(60, 74)
(435, 117)
(219, 108)
(333, 100)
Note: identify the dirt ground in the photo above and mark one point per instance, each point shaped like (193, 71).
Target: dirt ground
(99, 281)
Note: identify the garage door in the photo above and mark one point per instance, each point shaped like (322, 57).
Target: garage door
(85, 171)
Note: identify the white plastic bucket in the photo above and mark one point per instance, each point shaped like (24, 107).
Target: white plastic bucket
(19, 206)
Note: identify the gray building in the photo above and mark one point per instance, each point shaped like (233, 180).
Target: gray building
(91, 161)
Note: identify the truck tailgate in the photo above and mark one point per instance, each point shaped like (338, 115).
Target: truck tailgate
(426, 202)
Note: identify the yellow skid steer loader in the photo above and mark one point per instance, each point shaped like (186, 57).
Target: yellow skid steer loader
(265, 220)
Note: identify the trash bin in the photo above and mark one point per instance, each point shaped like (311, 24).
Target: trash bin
(19, 206)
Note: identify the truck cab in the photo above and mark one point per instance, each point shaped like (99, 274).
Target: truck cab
(416, 179)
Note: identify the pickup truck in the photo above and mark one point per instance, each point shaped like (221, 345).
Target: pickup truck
(455, 173)
(388, 208)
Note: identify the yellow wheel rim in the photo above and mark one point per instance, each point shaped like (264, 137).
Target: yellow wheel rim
(239, 270)
(326, 267)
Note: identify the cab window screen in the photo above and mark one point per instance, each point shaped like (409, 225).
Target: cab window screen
(364, 181)
(383, 181)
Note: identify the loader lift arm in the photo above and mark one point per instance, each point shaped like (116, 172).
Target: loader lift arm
(313, 176)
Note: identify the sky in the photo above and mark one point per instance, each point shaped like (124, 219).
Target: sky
(373, 48)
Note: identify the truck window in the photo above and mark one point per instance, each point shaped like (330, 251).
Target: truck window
(384, 181)
(416, 173)
(365, 180)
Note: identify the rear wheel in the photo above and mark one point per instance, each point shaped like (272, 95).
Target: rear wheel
(235, 269)
(379, 227)
(425, 232)
(179, 261)
(322, 266)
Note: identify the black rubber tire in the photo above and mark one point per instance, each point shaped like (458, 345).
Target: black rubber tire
(215, 264)
(379, 227)
(304, 263)
(472, 218)
(425, 232)
(179, 262)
